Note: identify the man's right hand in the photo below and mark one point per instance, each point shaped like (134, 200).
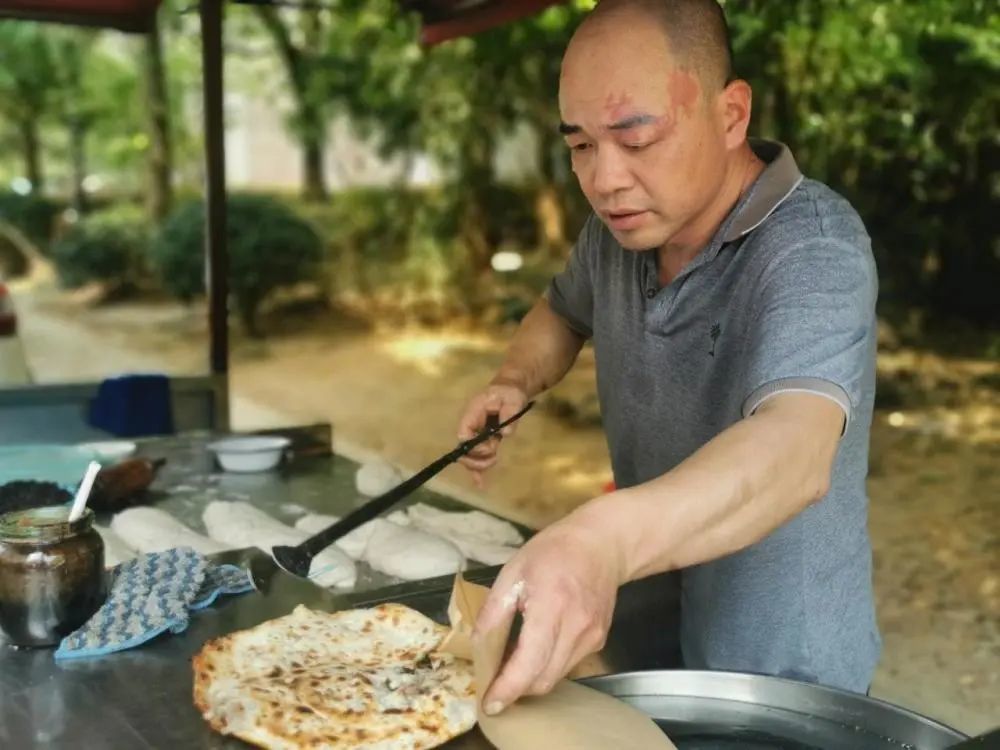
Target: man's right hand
(502, 399)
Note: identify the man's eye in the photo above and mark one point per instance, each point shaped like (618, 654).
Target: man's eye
(636, 146)
(580, 147)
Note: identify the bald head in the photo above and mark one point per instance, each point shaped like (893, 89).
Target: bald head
(696, 33)
(655, 124)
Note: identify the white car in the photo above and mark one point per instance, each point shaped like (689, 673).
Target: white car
(13, 366)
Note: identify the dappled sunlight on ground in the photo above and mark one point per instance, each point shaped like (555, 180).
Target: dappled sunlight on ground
(428, 352)
(574, 477)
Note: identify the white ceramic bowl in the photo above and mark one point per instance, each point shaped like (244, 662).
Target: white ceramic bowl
(251, 453)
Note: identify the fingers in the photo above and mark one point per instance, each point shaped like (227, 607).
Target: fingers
(535, 645)
(479, 461)
(501, 400)
(510, 405)
(497, 614)
(557, 666)
(567, 654)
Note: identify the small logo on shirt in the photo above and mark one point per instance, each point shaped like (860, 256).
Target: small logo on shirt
(714, 334)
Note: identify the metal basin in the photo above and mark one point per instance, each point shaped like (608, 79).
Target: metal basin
(726, 711)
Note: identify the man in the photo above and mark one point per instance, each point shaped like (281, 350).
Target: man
(731, 307)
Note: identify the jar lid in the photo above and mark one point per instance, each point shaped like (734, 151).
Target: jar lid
(43, 524)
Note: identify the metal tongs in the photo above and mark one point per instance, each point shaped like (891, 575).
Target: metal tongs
(296, 560)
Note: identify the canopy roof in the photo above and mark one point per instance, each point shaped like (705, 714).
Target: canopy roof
(447, 19)
(443, 19)
(126, 15)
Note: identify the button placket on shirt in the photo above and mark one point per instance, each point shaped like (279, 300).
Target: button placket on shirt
(663, 299)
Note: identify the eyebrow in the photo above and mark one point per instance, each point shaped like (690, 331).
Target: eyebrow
(633, 121)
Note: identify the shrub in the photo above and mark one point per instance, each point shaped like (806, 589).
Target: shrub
(269, 247)
(107, 247)
(402, 249)
(33, 215)
(13, 262)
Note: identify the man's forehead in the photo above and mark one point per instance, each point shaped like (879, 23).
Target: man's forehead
(613, 103)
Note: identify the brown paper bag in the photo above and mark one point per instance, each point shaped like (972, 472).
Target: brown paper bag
(571, 717)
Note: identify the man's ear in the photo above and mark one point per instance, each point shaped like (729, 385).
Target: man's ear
(735, 105)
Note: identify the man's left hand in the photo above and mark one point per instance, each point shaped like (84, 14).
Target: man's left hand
(564, 581)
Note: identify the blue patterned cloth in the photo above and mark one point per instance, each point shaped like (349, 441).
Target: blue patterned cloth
(149, 595)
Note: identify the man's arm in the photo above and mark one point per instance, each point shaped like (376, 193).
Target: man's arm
(542, 351)
(735, 490)
(732, 492)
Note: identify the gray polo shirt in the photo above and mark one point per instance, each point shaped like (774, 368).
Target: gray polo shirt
(781, 299)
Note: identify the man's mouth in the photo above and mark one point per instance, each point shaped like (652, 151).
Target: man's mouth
(625, 219)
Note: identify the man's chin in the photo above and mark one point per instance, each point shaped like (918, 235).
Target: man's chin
(637, 240)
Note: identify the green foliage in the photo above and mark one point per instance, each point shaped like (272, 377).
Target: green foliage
(107, 248)
(33, 215)
(904, 126)
(399, 247)
(893, 103)
(269, 245)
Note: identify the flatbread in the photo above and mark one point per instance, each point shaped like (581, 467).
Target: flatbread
(242, 525)
(478, 535)
(154, 530)
(473, 524)
(399, 551)
(376, 478)
(366, 679)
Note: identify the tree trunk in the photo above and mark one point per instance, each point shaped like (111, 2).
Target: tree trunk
(310, 114)
(311, 125)
(550, 213)
(248, 305)
(78, 156)
(475, 182)
(160, 159)
(32, 155)
(313, 148)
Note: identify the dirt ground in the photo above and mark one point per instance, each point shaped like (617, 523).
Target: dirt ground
(934, 484)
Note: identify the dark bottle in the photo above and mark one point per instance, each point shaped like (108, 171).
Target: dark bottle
(51, 574)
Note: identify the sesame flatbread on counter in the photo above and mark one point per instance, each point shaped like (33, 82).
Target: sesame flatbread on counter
(363, 679)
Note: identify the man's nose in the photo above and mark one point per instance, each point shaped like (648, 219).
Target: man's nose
(611, 173)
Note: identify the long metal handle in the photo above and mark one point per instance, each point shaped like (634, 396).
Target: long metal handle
(317, 543)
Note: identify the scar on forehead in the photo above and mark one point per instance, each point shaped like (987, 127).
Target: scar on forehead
(616, 105)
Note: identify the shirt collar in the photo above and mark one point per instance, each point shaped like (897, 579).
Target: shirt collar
(778, 180)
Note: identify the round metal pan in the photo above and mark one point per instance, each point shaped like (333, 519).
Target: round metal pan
(730, 711)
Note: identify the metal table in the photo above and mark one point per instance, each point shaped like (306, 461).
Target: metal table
(142, 698)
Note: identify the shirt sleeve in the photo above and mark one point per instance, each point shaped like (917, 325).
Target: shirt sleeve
(813, 325)
(571, 292)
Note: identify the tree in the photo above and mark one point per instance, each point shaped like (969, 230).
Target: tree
(71, 52)
(94, 100)
(269, 246)
(28, 80)
(456, 101)
(298, 37)
(905, 128)
(160, 159)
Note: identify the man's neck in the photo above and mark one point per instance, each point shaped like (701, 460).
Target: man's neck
(673, 257)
